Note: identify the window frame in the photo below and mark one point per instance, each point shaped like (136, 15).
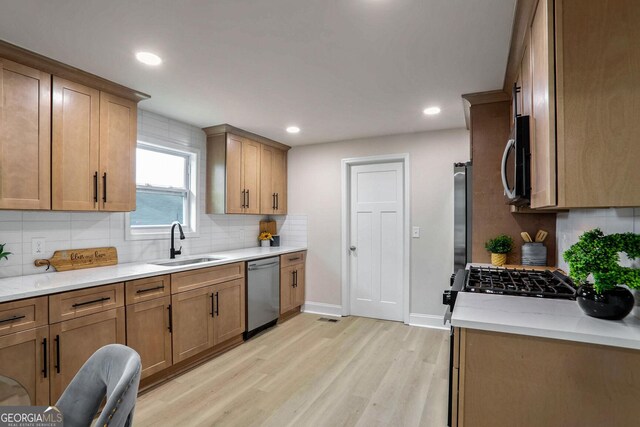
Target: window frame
(191, 217)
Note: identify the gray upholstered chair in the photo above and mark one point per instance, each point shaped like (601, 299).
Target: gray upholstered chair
(112, 371)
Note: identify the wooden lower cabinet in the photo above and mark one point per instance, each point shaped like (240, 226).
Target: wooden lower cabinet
(24, 360)
(193, 313)
(74, 341)
(229, 314)
(149, 333)
(292, 281)
(509, 379)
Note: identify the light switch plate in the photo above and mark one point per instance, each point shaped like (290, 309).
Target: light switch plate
(38, 246)
(415, 232)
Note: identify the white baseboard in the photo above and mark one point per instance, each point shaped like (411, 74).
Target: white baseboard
(322, 308)
(427, 321)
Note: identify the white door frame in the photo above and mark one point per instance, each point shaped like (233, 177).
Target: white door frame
(346, 214)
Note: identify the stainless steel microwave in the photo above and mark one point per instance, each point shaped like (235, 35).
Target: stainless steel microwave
(516, 164)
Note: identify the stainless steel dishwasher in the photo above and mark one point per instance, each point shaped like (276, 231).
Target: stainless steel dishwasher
(263, 295)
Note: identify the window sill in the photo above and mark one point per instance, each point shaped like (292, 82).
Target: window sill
(156, 234)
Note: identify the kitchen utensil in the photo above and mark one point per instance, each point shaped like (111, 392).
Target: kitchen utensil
(541, 235)
(75, 259)
(526, 237)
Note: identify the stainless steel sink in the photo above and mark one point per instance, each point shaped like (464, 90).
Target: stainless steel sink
(186, 261)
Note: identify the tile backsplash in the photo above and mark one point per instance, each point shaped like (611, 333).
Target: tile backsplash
(64, 230)
(570, 225)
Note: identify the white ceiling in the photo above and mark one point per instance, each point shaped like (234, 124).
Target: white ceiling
(337, 69)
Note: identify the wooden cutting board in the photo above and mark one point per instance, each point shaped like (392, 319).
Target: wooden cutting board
(268, 226)
(76, 259)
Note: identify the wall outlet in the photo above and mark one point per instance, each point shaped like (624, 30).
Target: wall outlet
(38, 246)
(415, 232)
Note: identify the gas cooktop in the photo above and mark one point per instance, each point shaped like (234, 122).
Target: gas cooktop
(522, 282)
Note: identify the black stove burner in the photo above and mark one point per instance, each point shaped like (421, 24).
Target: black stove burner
(532, 283)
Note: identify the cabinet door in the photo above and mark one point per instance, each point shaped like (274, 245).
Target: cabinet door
(75, 139)
(118, 122)
(267, 192)
(193, 313)
(149, 333)
(235, 186)
(525, 78)
(286, 288)
(23, 358)
(543, 144)
(298, 285)
(229, 310)
(251, 175)
(279, 182)
(25, 140)
(74, 341)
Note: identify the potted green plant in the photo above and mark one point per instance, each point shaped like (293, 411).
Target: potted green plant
(597, 255)
(499, 248)
(3, 254)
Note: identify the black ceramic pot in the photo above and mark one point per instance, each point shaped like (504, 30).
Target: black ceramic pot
(613, 304)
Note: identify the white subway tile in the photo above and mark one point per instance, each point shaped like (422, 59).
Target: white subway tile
(46, 216)
(10, 232)
(10, 216)
(50, 230)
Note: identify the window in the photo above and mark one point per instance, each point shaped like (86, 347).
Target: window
(165, 191)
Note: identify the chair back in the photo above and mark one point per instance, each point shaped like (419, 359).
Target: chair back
(112, 371)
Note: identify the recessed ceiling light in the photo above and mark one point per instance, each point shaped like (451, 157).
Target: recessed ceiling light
(431, 111)
(148, 58)
(293, 129)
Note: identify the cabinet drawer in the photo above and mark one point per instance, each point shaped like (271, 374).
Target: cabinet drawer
(22, 315)
(194, 279)
(147, 289)
(292, 259)
(70, 305)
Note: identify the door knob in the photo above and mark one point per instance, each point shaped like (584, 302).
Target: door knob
(352, 248)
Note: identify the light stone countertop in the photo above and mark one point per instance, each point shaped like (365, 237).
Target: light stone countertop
(15, 288)
(542, 317)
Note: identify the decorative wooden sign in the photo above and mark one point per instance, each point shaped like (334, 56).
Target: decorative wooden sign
(75, 259)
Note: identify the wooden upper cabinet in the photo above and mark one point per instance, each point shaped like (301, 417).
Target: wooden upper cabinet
(75, 146)
(118, 136)
(251, 175)
(581, 59)
(273, 181)
(235, 194)
(245, 175)
(598, 96)
(543, 144)
(25, 137)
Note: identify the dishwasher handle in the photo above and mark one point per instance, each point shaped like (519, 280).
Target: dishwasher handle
(261, 266)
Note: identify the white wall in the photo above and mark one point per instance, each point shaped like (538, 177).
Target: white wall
(315, 191)
(570, 225)
(64, 230)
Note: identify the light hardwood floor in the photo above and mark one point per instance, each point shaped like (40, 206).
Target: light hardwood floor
(304, 372)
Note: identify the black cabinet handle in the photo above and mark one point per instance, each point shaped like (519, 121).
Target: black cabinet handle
(217, 305)
(57, 365)
(104, 187)
(12, 319)
(248, 199)
(244, 199)
(95, 187)
(80, 304)
(170, 319)
(294, 258)
(44, 357)
(277, 201)
(273, 201)
(141, 291)
(213, 310)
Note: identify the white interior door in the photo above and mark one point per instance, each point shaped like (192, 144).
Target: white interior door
(376, 240)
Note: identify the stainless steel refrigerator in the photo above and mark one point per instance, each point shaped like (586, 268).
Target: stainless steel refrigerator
(462, 215)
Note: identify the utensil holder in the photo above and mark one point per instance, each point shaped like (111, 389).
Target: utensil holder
(534, 254)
